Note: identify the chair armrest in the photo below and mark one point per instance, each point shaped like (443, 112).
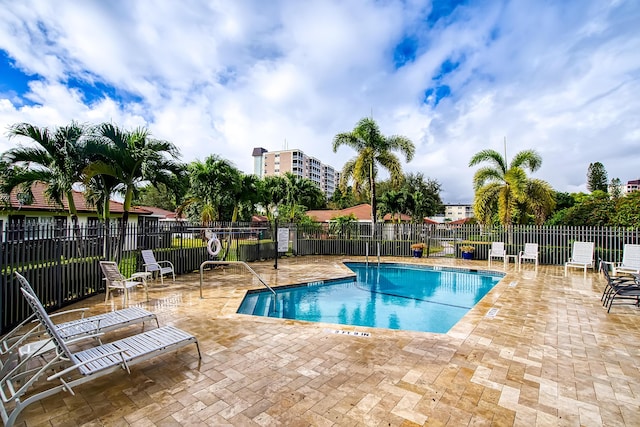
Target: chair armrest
(86, 362)
(166, 262)
(82, 310)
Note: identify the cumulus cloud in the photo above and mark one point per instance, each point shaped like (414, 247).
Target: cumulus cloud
(224, 78)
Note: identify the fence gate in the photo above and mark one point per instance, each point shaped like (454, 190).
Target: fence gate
(441, 240)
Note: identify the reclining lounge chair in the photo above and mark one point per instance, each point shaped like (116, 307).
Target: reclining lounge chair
(18, 385)
(22, 341)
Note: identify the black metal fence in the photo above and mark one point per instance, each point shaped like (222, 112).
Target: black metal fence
(63, 264)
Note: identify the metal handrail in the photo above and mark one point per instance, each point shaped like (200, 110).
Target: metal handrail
(232, 262)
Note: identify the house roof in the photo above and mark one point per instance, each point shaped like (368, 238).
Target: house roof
(361, 212)
(42, 204)
(430, 221)
(159, 212)
(460, 221)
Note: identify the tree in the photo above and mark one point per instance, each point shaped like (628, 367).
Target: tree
(274, 193)
(57, 161)
(301, 194)
(628, 210)
(596, 210)
(597, 177)
(215, 185)
(616, 188)
(342, 198)
(424, 197)
(502, 189)
(131, 158)
(393, 203)
(374, 150)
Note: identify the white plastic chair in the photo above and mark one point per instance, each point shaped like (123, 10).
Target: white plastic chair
(530, 252)
(160, 267)
(581, 256)
(497, 251)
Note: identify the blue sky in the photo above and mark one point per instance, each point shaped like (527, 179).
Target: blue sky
(456, 77)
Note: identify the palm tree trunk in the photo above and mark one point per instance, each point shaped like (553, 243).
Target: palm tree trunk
(372, 186)
(77, 234)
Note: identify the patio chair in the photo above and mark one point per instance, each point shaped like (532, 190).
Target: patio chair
(623, 292)
(26, 338)
(497, 251)
(157, 267)
(614, 283)
(530, 252)
(115, 280)
(581, 256)
(21, 386)
(630, 260)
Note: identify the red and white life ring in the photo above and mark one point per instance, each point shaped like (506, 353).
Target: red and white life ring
(214, 241)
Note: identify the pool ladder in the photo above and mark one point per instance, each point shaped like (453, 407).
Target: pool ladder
(367, 253)
(204, 264)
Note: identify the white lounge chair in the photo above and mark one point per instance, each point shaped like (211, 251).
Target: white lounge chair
(497, 251)
(530, 253)
(115, 280)
(157, 267)
(581, 256)
(26, 338)
(18, 387)
(630, 260)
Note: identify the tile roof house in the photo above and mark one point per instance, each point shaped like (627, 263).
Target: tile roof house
(41, 212)
(361, 212)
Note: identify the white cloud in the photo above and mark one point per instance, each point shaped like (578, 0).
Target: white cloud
(224, 77)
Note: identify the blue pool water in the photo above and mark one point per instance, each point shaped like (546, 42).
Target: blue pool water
(393, 296)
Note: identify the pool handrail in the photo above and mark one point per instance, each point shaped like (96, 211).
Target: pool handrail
(232, 262)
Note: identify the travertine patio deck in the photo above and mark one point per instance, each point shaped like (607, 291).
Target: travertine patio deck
(550, 356)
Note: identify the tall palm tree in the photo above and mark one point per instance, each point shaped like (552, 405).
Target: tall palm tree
(374, 150)
(502, 187)
(56, 161)
(131, 157)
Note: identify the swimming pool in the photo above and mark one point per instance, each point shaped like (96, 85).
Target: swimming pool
(393, 296)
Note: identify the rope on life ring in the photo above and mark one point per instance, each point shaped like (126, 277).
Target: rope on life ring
(212, 241)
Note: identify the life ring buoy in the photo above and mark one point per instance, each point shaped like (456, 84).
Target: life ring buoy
(214, 241)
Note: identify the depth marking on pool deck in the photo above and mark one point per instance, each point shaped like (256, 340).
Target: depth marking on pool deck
(513, 284)
(351, 333)
(492, 313)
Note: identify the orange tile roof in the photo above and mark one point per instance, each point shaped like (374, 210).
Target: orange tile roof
(362, 212)
(41, 203)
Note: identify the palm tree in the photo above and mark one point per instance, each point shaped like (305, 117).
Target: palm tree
(374, 150)
(301, 194)
(131, 157)
(504, 189)
(57, 161)
(214, 187)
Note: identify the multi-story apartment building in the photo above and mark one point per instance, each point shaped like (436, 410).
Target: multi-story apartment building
(454, 212)
(266, 163)
(632, 186)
